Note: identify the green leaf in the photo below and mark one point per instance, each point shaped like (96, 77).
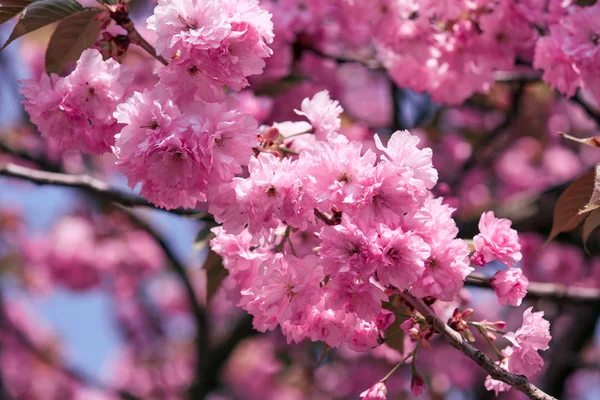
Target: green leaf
(590, 224)
(72, 36)
(10, 8)
(215, 273)
(41, 13)
(567, 214)
(109, 2)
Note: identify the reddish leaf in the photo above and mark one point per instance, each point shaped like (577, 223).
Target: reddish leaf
(10, 8)
(566, 212)
(72, 36)
(41, 13)
(590, 224)
(594, 201)
(593, 141)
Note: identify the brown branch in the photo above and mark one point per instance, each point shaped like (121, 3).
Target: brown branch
(586, 107)
(198, 311)
(519, 382)
(137, 39)
(92, 186)
(550, 291)
(487, 140)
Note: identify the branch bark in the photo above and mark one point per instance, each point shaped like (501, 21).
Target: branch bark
(92, 186)
(550, 291)
(455, 339)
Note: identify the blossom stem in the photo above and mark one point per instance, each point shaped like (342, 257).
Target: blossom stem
(136, 38)
(489, 328)
(401, 363)
(285, 150)
(481, 330)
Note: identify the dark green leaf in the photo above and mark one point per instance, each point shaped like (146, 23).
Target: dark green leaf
(41, 13)
(10, 8)
(72, 36)
(215, 273)
(109, 2)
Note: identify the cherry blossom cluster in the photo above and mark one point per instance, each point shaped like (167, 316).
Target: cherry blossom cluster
(316, 241)
(450, 49)
(186, 131)
(570, 54)
(77, 110)
(211, 44)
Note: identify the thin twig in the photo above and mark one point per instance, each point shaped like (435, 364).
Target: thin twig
(511, 115)
(137, 39)
(93, 186)
(586, 107)
(519, 382)
(550, 291)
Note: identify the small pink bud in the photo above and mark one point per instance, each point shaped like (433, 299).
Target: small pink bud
(500, 324)
(417, 384)
(271, 134)
(467, 313)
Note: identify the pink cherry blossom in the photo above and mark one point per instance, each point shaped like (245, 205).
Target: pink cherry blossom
(510, 286)
(77, 110)
(323, 113)
(175, 155)
(376, 392)
(403, 256)
(497, 241)
(522, 358)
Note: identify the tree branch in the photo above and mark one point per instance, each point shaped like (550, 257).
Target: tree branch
(550, 291)
(455, 339)
(511, 115)
(586, 107)
(92, 186)
(198, 311)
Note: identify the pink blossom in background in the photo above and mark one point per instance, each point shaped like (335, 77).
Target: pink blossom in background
(510, 286)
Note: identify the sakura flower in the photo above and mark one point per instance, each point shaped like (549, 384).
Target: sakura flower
(403, 256)
(345, 247)
(533, 335)
(77, 110)
(213, 43)
(402, 151)
(323, 113)
(510, 286)
(497, 241)
(285, 290)
(376, 392)
(175, 155)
